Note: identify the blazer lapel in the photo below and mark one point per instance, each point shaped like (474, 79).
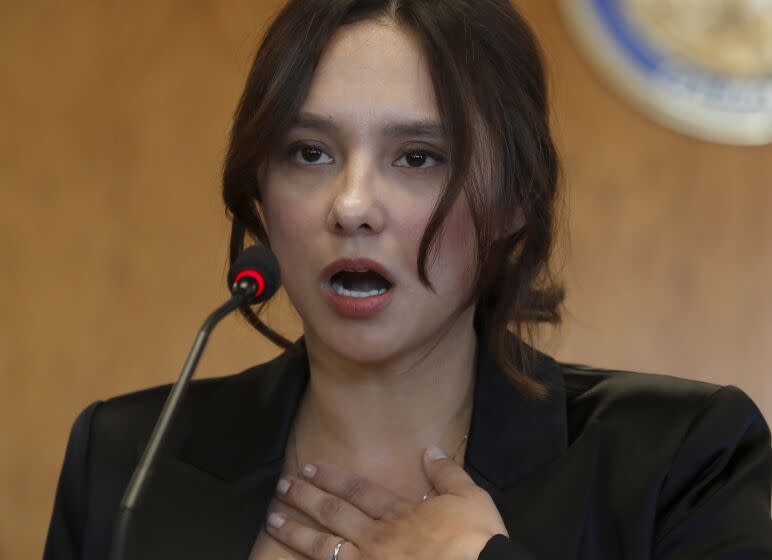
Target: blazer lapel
(188, 513)
(518, 452)
(208, 495)
(556, 500)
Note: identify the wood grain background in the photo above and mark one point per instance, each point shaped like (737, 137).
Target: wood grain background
(115, 117)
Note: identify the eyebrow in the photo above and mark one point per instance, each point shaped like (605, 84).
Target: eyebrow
(394, 129)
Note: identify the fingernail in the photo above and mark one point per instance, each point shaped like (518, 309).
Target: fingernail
(276, 520)
(283, 485)
(435, 452)
(309, 471)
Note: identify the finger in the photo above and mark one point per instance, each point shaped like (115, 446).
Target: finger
(367, 496)
(337, 515)
(447, 476)
(311, 543)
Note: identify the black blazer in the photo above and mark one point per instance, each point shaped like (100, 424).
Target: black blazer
(612, 465)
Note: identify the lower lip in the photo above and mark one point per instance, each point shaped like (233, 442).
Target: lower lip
(357, 308)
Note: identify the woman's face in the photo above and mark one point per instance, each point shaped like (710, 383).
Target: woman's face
(363, 185)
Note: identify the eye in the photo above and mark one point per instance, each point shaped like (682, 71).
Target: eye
(417, 159)
(306, 154)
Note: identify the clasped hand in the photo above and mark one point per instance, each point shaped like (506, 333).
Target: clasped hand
(379, 525)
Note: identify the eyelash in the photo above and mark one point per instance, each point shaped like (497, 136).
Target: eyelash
(439, 159)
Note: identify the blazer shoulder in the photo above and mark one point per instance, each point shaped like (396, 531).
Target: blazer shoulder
(648, 401)
(697, 453)
(105, 445)
(582, 380)
(129, 418)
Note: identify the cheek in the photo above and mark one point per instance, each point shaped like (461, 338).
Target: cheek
(281, 219)
(283, 214)
(289, 227)
(456, 260)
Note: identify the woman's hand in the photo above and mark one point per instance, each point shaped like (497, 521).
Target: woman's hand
(379, 525)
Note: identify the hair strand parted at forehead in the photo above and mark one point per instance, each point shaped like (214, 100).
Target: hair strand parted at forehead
(488, 77)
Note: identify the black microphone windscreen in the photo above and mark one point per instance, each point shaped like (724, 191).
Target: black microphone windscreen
(259, 259)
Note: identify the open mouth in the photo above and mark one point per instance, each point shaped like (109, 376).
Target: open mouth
(359, 284)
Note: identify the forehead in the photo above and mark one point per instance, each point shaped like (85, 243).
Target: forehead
(372, 71)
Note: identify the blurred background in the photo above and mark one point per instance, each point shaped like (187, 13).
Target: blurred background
(114, 237)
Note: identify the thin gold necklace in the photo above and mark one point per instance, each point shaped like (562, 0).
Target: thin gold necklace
(425, 497)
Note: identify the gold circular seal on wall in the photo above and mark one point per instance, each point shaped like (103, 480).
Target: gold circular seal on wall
(732, 37)
(703, 67)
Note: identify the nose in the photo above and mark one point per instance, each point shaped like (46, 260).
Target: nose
(356, 207)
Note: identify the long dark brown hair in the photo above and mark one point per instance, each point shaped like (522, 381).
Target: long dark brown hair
(488, 77)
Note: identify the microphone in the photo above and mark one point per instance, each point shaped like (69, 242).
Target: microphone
(259, 265)
(254, 277)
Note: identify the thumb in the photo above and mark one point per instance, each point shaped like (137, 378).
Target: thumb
(446, 475)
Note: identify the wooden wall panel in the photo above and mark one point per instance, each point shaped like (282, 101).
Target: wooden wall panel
(113, 236)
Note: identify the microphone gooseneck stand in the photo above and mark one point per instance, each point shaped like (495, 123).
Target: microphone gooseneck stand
(243, 292)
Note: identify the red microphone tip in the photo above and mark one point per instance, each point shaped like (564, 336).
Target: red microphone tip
(256, 276)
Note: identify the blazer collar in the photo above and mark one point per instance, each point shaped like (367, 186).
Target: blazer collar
(209, 495)
(512, 434)
(247, 421)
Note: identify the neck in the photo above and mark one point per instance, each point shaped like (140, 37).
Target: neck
(377, 418)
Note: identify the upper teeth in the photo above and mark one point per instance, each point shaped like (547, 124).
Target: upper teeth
(340, 290)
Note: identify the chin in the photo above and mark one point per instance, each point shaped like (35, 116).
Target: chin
(364, 342)
(372, 357)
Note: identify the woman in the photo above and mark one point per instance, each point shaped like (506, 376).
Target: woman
(396, 156)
